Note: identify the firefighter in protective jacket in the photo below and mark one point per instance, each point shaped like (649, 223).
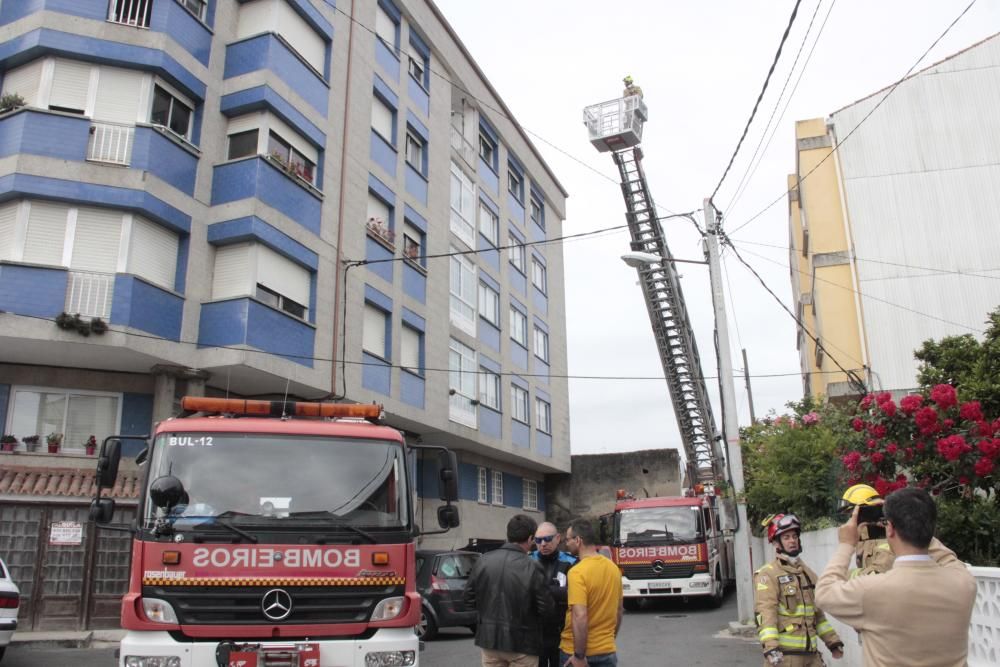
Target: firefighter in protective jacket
(873, 555)
(788, 622)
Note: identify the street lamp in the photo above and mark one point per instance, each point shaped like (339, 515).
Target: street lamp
(639, 259)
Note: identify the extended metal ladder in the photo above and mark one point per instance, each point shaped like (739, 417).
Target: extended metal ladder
(671, 326)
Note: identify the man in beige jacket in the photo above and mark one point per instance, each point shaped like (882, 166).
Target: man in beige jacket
(917, 614)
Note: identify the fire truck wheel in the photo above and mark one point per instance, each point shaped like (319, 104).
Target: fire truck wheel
(718, 592)
(631, 604)
(428, 628)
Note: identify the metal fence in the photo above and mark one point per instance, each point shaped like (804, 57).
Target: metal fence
(111, 142)
(130, 12)
(90, 294)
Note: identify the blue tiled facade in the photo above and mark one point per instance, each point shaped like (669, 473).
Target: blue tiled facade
(247, 322)
(32, 290)
(259, 178)
(269, 52)
(165, 158)
(47, 134)
(140, 305)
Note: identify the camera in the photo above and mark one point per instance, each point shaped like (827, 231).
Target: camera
(870, 514)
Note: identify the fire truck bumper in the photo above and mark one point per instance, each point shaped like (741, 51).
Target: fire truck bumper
(698, 584)
(388, 646)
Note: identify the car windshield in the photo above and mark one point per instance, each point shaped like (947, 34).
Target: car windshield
(279, 481)
(660, 524)
(456, 566)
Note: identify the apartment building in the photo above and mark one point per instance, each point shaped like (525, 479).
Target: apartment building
(264, 198)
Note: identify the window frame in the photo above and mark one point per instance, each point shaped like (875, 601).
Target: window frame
(490, 220)
(486, 294)
(497, 488)
(467, 366)
(543, 415)
(174, 100)
(414, 139)
(385, 352)
(483, 485)
(288, 163)
(490, 380)
(515, 179)
(516, 394)
(487, 150)
(539, 205)
(517, 254)
(279, 301)
(201, 13)
(543, 336)
(419, 368)
(65, 446)
(462, 223)
(533, 495)
(465, 268)
(519, 317)
(393, 119)
(539, 273)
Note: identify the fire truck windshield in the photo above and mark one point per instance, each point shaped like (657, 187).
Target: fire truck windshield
(661, 525)
(278, 482)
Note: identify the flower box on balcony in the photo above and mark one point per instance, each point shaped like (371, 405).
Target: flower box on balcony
(380, 232)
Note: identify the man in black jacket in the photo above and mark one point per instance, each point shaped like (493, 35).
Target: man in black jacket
(511, 597)
(556, 564)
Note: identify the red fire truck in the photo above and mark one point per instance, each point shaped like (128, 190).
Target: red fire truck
(272, 533)
(669, 546)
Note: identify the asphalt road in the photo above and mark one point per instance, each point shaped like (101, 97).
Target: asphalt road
(665, 634)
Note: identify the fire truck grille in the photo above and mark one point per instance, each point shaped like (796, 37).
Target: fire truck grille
(669, 571)
(225, 605)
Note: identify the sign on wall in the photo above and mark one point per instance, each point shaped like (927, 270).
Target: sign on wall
(66, 533)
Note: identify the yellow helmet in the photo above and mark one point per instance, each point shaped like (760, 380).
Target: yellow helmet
(627, 80)
(859, 494)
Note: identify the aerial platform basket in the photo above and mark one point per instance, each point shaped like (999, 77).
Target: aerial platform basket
(616, 124)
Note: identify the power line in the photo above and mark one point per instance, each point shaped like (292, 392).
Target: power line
(767, 79)
(752, 168)
(866, 296)
(841, 142)
(380, 364)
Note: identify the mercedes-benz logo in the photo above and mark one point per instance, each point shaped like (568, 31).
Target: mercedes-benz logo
(657, 566)
(276, 604)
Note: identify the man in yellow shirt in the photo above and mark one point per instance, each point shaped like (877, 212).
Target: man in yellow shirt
(594, 598)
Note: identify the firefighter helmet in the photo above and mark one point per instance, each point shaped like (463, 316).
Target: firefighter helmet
(627, 80)
(859, 494)
(779, 524)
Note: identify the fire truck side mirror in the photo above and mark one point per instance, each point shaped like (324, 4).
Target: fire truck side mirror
(107, 463)
(102, 510)
(448, 517)
(449, 477)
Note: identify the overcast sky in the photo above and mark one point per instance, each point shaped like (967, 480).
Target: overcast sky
(700, 65)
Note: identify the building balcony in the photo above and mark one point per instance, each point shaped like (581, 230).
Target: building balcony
(260, 178)
(270, 52)
(464, 147)
(245, 322)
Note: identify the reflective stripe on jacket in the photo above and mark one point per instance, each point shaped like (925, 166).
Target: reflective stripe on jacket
(785, 610)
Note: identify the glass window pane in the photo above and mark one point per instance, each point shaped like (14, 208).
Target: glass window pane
(90, 416)
(278, 148)
(242, 144)
(161, 107)
(180, 119)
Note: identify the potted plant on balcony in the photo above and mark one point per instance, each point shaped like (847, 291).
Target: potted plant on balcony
(98, 326)
(90, 445)
(8, 443)
(31, 442)
(11, 101)
(54, 440)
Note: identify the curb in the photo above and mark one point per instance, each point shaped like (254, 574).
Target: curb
(81, 639)
(742, 629)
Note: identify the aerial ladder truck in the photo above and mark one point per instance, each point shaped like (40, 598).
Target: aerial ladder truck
(665, 546)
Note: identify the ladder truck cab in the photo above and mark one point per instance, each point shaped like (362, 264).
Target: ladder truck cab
(669, 546)
(272, 533)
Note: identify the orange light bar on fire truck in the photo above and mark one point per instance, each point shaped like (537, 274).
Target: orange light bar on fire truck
(238, 406)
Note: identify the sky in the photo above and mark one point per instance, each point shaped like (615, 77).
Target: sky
(701, 66)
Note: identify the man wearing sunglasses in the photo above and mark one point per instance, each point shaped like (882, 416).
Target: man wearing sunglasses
(556, 564)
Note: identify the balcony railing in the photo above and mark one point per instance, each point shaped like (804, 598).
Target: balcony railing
(90, 294)
(463, 146)
(130, 12)
(111, 142)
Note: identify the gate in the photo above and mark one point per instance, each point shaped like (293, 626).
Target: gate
(73, 585)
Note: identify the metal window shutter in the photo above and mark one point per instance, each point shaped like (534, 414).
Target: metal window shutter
(381, 118)
(282, 275)
(409, 348)
(153, 254)
(373, 330)
(385, 27)
(8, 219)
(293, 138)
(377, 209)
(97, 240)
(301, 36)
(251, 121)
(255, 17)
(232, 272)
(46, 233)
(24, 81)
(70, 84)
(118, 96)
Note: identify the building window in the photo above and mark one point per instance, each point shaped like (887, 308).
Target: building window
(171, 113)
(538, 275)
(489, 389)
(243, 144)
(415, 152)
(291, 160)
(515, 183)
(531, 495)
(374, 338)
(462, 380)
(489, 224)
(497, 487)
(537, 211)
(380, 219)
(518, 327)
(484, 489)
(487, 150)
(413, 242)
(516, 254)
(252, 269)
(131, 12)
(386, 28)
(489, 304)
(462, 206)
(541, 345)
(196, 7)
(463, 294)
(543, 415)
(76, 415)
(410, 345)
(384, 120)
(418, 66)
(519, 403)
(276, 300)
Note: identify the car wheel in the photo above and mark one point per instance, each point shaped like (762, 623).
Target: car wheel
(631, 604)
(473, 628)
(428, 628)
(2, 650)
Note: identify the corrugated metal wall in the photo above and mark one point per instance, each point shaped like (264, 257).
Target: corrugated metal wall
(922, 183)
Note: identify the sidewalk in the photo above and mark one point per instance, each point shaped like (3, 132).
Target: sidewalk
(69, 638)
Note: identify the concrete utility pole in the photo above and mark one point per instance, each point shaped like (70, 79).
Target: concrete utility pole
(746, 378)
(730, 423)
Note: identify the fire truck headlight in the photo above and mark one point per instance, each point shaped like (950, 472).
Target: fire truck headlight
(388, 609)
(158, 611)
(390, 658)
(152, 661)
